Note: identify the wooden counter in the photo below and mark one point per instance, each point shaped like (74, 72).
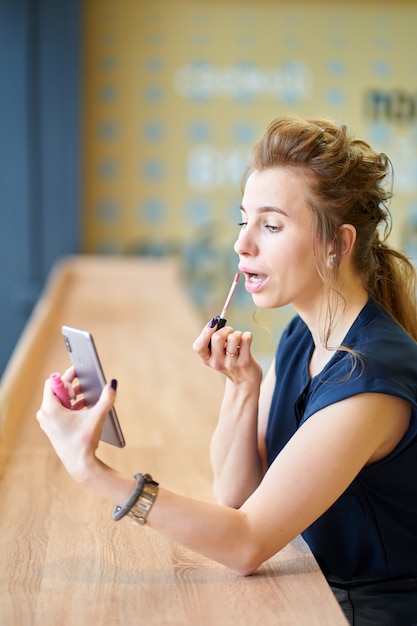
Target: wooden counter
(63, 561)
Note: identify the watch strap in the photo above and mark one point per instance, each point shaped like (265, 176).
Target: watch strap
(140, 510)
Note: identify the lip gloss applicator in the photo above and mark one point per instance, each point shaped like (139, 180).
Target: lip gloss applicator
(221, 319)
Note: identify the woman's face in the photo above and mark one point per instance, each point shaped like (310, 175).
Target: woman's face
(275, 244)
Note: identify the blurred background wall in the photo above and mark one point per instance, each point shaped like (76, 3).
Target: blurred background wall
(40, 151)
(172, 96)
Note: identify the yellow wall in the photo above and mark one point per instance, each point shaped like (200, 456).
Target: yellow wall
(177, 91)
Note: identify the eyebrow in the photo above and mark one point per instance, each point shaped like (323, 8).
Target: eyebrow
(267, 209)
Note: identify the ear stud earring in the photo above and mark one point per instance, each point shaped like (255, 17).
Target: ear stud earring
(332, 260)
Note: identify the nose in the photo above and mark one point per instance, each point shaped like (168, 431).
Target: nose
(244, 244)
(237, 247)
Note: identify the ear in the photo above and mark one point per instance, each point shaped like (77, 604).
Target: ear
(347, 241)
(348, 238)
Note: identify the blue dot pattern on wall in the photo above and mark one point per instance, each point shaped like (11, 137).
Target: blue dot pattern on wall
(152, 210)
(153, 170)
(199, 131)
(244, 132)
(108, 169)
(198, 211)
(108, 130)
(153, 131)
(107, 93)
(336, 97)
(381, 68)
(108, 210)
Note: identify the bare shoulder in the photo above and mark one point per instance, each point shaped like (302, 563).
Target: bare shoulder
(391, 415)
(373, 421)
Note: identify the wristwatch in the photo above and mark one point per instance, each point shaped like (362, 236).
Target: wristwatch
(139, 511)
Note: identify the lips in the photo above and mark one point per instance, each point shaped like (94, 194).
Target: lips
(253, 280)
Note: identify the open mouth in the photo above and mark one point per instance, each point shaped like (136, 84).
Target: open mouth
(254, 282)
(255, 278)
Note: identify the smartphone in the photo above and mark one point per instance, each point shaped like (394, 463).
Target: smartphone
(84, 357)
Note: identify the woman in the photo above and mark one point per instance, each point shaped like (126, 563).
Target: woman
(327, 444)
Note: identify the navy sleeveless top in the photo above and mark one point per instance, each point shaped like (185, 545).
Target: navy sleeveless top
(370, 532)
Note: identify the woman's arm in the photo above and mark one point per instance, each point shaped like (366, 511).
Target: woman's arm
(312, 471)
(238, 449)
(308, 476)
(236, 435)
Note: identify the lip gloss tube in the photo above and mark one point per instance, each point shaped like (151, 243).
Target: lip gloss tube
(60, 391)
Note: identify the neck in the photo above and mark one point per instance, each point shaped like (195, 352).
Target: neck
(330, 320)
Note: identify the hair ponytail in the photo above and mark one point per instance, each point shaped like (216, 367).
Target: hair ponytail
(392, 283)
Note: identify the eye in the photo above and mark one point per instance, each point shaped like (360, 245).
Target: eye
(242, 224)
(272, 228)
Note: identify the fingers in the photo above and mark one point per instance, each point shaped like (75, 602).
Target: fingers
(61, 424)
(105, 401)
(211, 341)
(50, 402)
(68, 375)
(238, 345)
(225, 350)
(96, 415)
(232, 344)
(202, 345)
(107, 397)
(71, 382)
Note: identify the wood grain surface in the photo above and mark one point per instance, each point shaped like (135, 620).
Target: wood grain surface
(63, 561)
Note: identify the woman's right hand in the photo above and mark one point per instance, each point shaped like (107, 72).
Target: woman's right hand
(229, 351)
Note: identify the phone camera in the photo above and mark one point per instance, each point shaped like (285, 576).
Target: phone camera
(67, 343)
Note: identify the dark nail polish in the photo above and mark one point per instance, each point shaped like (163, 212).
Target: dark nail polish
(113, 384)
(212, 323)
